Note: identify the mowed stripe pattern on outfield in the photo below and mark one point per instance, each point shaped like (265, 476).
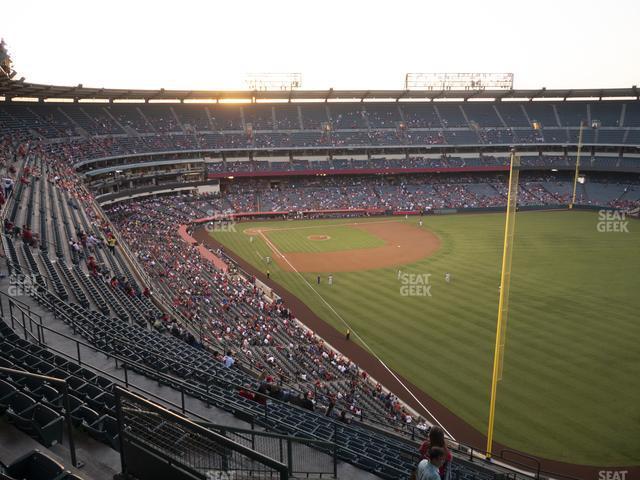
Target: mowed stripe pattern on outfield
(570, 384)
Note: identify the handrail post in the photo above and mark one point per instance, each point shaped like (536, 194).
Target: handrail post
(30, 321)
(158, 372)
(78, 350)
(121, 432)
(67, 414)
(42, 341)
(13, 325)
(289, 456)
(24, 324)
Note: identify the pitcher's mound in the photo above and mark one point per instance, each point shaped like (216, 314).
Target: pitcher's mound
(318, 237)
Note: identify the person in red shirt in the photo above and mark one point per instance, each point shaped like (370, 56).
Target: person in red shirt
(247, 394)
(27, 235)
(436, 439)
(92, 265)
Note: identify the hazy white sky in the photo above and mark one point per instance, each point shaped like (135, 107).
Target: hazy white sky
(211, 44)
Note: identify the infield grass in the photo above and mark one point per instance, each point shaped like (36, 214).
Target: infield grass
(571, 385)
(339, 238)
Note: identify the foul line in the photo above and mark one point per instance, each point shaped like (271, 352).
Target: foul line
(277, 252)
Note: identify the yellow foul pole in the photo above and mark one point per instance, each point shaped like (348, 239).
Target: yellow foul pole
(575, 177)
(505, 282)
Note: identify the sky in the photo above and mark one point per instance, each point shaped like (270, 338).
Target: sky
(341, 44)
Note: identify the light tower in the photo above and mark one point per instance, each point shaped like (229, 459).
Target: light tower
(458, 81)
(273, 81)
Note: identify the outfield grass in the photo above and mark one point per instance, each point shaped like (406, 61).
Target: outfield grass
(571, 387)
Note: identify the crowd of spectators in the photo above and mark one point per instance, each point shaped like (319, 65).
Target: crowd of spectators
(264, 335)
(93, 131)
(396, 193)
(407, 192)
(339, 163)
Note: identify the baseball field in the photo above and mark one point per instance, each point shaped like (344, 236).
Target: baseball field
(571, 385)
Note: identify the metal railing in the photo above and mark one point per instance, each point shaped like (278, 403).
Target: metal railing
(186, 444)
(285, 449)
(526, 467)
(19, 310)
(261, 413)
(295, 460)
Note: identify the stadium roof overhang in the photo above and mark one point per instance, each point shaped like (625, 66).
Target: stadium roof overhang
(11, 89)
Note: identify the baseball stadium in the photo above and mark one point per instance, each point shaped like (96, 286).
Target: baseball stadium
(279, 283)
